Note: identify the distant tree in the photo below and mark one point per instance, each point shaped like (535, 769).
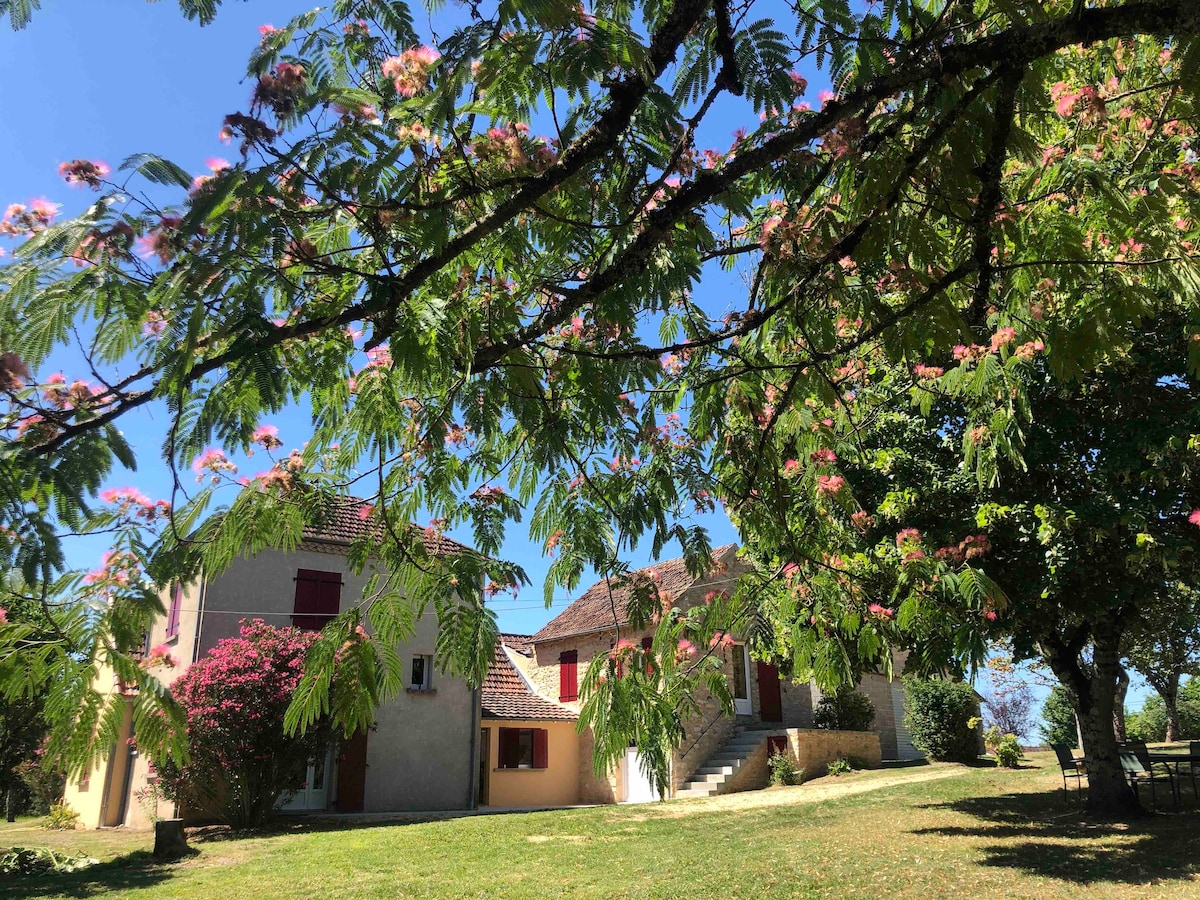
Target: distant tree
(1008, 703)
(23, 724)
(240, 757)
(1165, 646)
(1058, 719)
(1150, 722)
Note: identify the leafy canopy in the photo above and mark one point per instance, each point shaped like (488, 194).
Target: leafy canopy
(499, 272)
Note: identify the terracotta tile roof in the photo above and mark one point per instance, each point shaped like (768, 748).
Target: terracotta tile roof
(343, 524)
(505, 694)
(518, 642)
(593, 611)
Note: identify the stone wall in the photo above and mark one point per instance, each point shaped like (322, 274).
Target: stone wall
(815, 748)
(594, 788)
(705, 733)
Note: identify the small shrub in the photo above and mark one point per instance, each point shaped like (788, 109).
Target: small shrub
(991, 737)
(1008, 752)
(938, 714)
(784, 770)
(148, 799)
(61, 818)
(43, 784)
(858, 763)
(838, 767)
(844, 711)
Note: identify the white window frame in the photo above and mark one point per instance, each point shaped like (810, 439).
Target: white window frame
(427, 685)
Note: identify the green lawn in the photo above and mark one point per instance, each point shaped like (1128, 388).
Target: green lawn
(978, 833)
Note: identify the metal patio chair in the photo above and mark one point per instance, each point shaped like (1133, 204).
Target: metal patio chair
(1139, 770)
(1071, 767)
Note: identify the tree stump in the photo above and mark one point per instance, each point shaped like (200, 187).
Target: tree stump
(169, 840)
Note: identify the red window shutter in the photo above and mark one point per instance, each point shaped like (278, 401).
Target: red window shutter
(540, 755)
(620, 662)
(568, 675)
(318, 598)
(647, 646)
(508, 748)
(173, 611)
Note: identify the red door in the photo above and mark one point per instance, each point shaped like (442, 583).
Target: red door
(352, 774)
(770, 701)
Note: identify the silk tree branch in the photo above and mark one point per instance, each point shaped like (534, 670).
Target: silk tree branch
(1014, 46)
(991, 172)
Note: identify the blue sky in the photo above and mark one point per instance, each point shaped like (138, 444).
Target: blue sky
(141, 78)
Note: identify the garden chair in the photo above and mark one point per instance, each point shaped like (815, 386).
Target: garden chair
(1071, 767)
(1139, 770)
(1142, 752)
(1193, 761)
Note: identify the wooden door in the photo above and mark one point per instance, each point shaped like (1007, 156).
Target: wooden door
(352, 774)
(770, 700)
(485, 756)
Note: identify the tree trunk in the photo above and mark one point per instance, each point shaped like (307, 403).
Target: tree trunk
(1119, 704)
(1093, 693)
(170, 841)
(1171, 702)
(10, 805)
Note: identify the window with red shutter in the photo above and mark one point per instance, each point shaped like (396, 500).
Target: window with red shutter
(568, 675)
(318, 598)
(540, 748)
(173, 611)
(522, 748)
(647, 646)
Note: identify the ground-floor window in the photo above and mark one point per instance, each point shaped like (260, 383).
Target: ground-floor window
(522, 748)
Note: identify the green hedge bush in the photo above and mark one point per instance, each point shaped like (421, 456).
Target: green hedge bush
(938, 715)
(845, 711)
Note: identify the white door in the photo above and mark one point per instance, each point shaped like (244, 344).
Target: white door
(740, 683)
(313, 794)
(637, 785)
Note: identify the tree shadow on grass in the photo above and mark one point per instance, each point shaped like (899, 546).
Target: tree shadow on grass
(1037, 833)
(125, 873)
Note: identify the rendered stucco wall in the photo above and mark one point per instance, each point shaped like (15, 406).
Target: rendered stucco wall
(419, 756)
(556, 785)
(95, 806)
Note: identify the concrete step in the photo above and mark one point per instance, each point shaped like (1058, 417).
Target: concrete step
(694, 791)
(705, 773)
(741, 746)
(726, 759)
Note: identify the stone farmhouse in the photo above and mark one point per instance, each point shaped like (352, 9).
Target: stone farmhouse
(513, 742)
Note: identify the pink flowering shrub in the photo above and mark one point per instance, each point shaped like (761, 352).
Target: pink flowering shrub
(240, 759)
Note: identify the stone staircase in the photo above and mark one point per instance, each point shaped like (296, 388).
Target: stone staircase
(714, 776)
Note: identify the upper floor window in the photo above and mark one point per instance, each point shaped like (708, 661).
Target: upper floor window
(318, 598)
(173, 611)
(422, 673)
(568, 675)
